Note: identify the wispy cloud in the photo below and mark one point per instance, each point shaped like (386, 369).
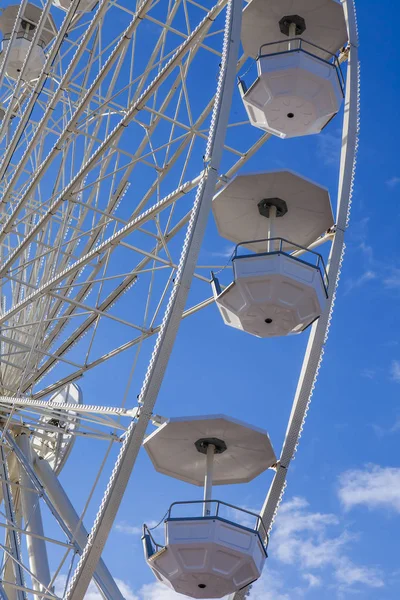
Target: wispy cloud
(312, 580)
(395, 370)
(225, 253)
(393, 182)
(128, 529)
(352, 284)
(374, 487)
(329, 145)
(393, 280)
(306, 539)
(158, 591)
(368, 373)
(367, 250)
(93, 593)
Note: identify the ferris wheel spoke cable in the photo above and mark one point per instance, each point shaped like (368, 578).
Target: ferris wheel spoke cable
(131, 112)
(111, 299)
(196, 227)
(71, 126)
(39, 85)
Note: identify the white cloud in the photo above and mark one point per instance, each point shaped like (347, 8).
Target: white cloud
(329, 146)
(373, 487)
(368, 373)
(128, 529)
(350, 574)
(312, 580)
(367, 250)
(305, 539)
(225, 253)
(158, 591)
(395, 370)
(356, 283)
(392, 282)
(124, 527)
(393, 182)
(270, 587)
(301, 536)
(93, 593)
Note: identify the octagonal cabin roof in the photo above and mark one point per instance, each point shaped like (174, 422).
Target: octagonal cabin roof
(238, 219)
(173, 452)
(324, 20)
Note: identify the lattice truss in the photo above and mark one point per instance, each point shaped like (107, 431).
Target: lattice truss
(100, 160)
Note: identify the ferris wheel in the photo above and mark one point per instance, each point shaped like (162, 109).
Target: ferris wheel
(113, 154)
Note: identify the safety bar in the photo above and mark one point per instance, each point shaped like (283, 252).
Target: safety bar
(320, 263)
(298, 44)
(151, 546)
(24, 35)
(260, 528)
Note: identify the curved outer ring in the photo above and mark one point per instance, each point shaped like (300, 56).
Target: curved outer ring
(320, 329)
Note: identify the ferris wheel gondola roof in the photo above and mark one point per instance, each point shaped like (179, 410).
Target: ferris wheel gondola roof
(173, 451)
(324, 21)
(31, 15)
(236, 212)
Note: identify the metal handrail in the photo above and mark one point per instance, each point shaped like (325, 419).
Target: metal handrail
(260, 527)
(147, 531)
(320, 261)
(300, 43)
(23, 35)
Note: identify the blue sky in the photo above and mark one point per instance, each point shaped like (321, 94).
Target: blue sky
(338, 529)
(337, 535)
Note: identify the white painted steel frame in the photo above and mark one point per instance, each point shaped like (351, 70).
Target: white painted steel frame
(320, 329)
(63, 515)
(173, 315)
(196, 218)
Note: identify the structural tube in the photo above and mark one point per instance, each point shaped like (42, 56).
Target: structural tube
(37, 552)
(208, 480)
(63, 504)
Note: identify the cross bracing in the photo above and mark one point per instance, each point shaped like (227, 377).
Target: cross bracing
(102, 158)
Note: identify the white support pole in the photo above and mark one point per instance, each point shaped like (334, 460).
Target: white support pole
(292, 34)
(65, 508)
(37, 551)
(3, 595)
(12, 535)
(208, 480)
(271, 228)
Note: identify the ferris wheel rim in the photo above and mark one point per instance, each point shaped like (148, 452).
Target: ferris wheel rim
(25, 397)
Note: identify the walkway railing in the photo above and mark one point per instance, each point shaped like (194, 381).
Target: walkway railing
(240, 517)
(299, 45)
(281, 246)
